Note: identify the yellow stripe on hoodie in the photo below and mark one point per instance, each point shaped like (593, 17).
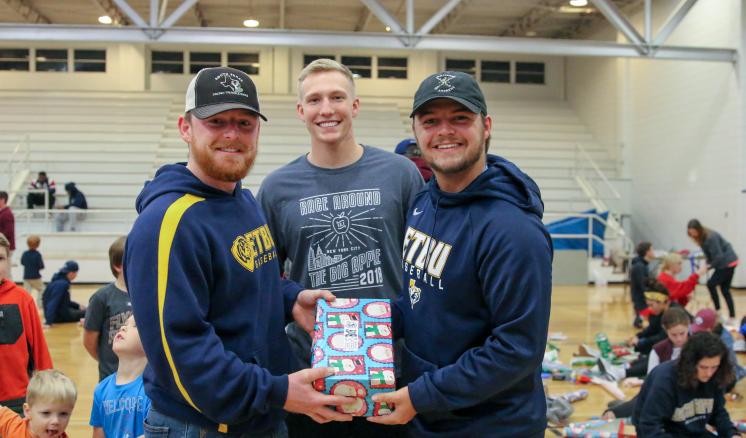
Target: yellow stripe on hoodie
(165, 240)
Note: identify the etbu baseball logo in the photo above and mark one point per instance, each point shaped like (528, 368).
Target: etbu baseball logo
(444, 85)
(253, 249)
(229, 80)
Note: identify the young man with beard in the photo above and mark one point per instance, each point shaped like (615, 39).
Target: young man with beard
(201, 268)
(477, 270)
(337, 213)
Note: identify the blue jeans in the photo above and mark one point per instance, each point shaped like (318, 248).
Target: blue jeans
(158, 425)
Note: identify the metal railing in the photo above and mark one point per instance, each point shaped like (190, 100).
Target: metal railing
(585, 236)
(47, 217)
(584, 164)
(17, 167)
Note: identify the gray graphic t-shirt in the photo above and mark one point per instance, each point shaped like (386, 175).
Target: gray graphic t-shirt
(107, 311)
(342, 229)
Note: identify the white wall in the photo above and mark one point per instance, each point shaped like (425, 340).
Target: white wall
(594, 90)
(682, 126)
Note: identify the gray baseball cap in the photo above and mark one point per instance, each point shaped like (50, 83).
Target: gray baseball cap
(217, 89)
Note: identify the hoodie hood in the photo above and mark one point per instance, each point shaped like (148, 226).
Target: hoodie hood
(501, 180)
(176, 178)
(60, 275)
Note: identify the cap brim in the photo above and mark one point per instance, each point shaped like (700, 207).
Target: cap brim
(206, 111)
(469, 105)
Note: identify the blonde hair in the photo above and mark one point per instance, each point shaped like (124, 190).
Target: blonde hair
(671, 259)
(51, 386)
(33, 241)
(322, 65)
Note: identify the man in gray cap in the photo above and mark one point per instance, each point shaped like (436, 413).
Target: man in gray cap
(477, 265)
(201, 268)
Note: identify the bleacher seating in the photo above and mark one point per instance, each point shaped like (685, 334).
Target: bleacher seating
(110, 143)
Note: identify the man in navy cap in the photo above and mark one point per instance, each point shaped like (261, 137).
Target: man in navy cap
(201, 268)
(477, 264)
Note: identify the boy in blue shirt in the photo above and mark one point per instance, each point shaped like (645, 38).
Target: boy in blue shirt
(119, 401)
(33, 263)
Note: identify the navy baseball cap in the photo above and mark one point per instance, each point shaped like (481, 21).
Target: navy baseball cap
(455, 85)
(217, 89)
(401, 148)
(70, 266)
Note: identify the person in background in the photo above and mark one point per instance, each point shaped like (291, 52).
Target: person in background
(658, 301)
(23, 348)
(709, 320)
(47, 411)
(720, 256)
(408, 147)
(679, 291)
(41, 183)
(123, 388)
(76, 201)
(676, 323)
(7, 222)
(639, 274)
(33, 262)
(107, 311)
(58, 307)
(681, 397)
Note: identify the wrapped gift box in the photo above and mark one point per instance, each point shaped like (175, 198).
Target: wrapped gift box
(354, 337)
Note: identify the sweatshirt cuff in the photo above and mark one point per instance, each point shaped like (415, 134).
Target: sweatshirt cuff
(278, 392)
(290, 291)
(421, 397)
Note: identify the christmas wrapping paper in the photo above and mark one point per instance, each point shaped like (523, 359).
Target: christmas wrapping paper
(354, 337)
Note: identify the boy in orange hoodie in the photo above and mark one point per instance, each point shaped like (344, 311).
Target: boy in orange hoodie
(22, 345)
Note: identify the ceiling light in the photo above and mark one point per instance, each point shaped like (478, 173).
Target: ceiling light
(579, 3)
(575, 10)
(251, 22)
(104, 19)
(388, 29)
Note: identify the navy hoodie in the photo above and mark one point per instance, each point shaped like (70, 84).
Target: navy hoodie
(56, 296)
(202, 272)
(666, 410)
(475, 312)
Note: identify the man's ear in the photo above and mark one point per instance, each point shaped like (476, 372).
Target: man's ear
(185, 130)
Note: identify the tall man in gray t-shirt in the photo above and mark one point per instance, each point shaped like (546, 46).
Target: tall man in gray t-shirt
(338, 213)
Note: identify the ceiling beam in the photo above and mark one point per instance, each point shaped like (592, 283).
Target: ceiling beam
(382, 14)
(282, 14)
(362, 22)
(617, 18)
(162, 12)
(154, 13)
(372, 40)
(131, 13)
(452, 16)
(178, 13)
(672, 22)
(437, 17)
(112, 11)
(410, 16)
(199, 14)
(530, 19)
(27, 11)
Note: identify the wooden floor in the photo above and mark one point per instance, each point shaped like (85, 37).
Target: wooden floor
(578, 312)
